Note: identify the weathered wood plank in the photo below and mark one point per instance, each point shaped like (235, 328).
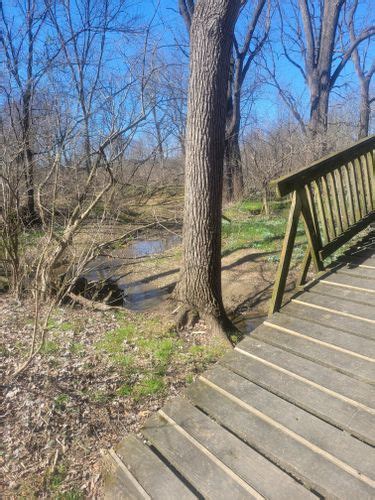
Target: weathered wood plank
(344, 307)
(153, 475)
(323, 354)
(358, 261)
(286, 254)
(339, 383)
(350, 281)
(342, 200)
(347, 235)
(207, 474)
(289, 183)
(360, 296)
(282, 447)
(245, 462)
(326, 318)
(333, 336)
(313, 397)
(119, 482)
(361, 272)
(321, 434)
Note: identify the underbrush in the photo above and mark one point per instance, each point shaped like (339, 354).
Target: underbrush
(98, 377)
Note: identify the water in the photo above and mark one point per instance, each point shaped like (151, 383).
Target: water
(247, 322)
(139, 295)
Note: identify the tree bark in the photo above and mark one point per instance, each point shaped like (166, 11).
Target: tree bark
(365, 109)
(211, 36)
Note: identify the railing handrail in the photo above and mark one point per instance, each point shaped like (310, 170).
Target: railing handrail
(335, 196)
(291, 182)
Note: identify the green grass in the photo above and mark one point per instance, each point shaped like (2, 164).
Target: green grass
(61, 400)
(50, 347)
(148, 352)
(251, 229)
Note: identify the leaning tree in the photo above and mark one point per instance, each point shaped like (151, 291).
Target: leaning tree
(199, 286)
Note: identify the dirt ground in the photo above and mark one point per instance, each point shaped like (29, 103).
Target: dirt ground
(71, 405)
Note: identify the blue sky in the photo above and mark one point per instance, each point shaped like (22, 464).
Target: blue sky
(167, 26)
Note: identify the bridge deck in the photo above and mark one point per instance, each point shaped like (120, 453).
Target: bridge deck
(289, 413)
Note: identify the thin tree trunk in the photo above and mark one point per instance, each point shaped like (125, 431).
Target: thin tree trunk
(364, 113)
(233, 174)
(199, 287)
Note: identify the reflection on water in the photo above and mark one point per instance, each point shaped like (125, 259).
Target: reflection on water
(138, 295)
(247, 323)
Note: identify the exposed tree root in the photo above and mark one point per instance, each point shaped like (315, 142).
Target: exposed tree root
(220, 327)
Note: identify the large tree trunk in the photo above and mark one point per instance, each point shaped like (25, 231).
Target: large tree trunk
(211, 35)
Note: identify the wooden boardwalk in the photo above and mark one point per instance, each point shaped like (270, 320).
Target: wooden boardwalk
(288, 414)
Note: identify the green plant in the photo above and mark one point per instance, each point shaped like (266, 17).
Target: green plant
(50, 347)
(148, 387)
(61, 400)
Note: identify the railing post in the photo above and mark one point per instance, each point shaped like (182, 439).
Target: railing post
(286, 254)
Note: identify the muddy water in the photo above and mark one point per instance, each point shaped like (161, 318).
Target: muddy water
(138, 295)
(247, 322)
(144, 294)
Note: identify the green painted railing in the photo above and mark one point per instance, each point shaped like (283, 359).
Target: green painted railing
(335, 197)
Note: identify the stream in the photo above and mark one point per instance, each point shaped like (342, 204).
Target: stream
(138, 295)
(143, 294)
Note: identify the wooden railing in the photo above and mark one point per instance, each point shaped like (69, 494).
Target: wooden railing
(336, 198)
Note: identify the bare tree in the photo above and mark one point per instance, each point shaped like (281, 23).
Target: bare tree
(243, 54)
(364, 75)
(199, 287)
(25, 68)
(312, 32)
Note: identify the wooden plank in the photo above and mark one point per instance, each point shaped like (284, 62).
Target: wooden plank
(360, 186)
(323, 354)
(359, 296)
(341, 306)
(366, 182)
(342, 200)
(119, 482)
(325, 404)
(362, 272)
(245, 462)
(349, 195)
(210, 477)
(347, 235)
(286, 255)
(334, 320)
(335, 200)
(355, 189)
(325, 436)
(366, 262)
(290, 451)
(321, 211)
(361, 394)
(371, 173)
(350, 281)
(289, 183)
(313, 240)
(328, 208)
(327, 334)
(153, 475)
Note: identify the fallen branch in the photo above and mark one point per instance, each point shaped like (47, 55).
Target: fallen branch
(92, 304)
